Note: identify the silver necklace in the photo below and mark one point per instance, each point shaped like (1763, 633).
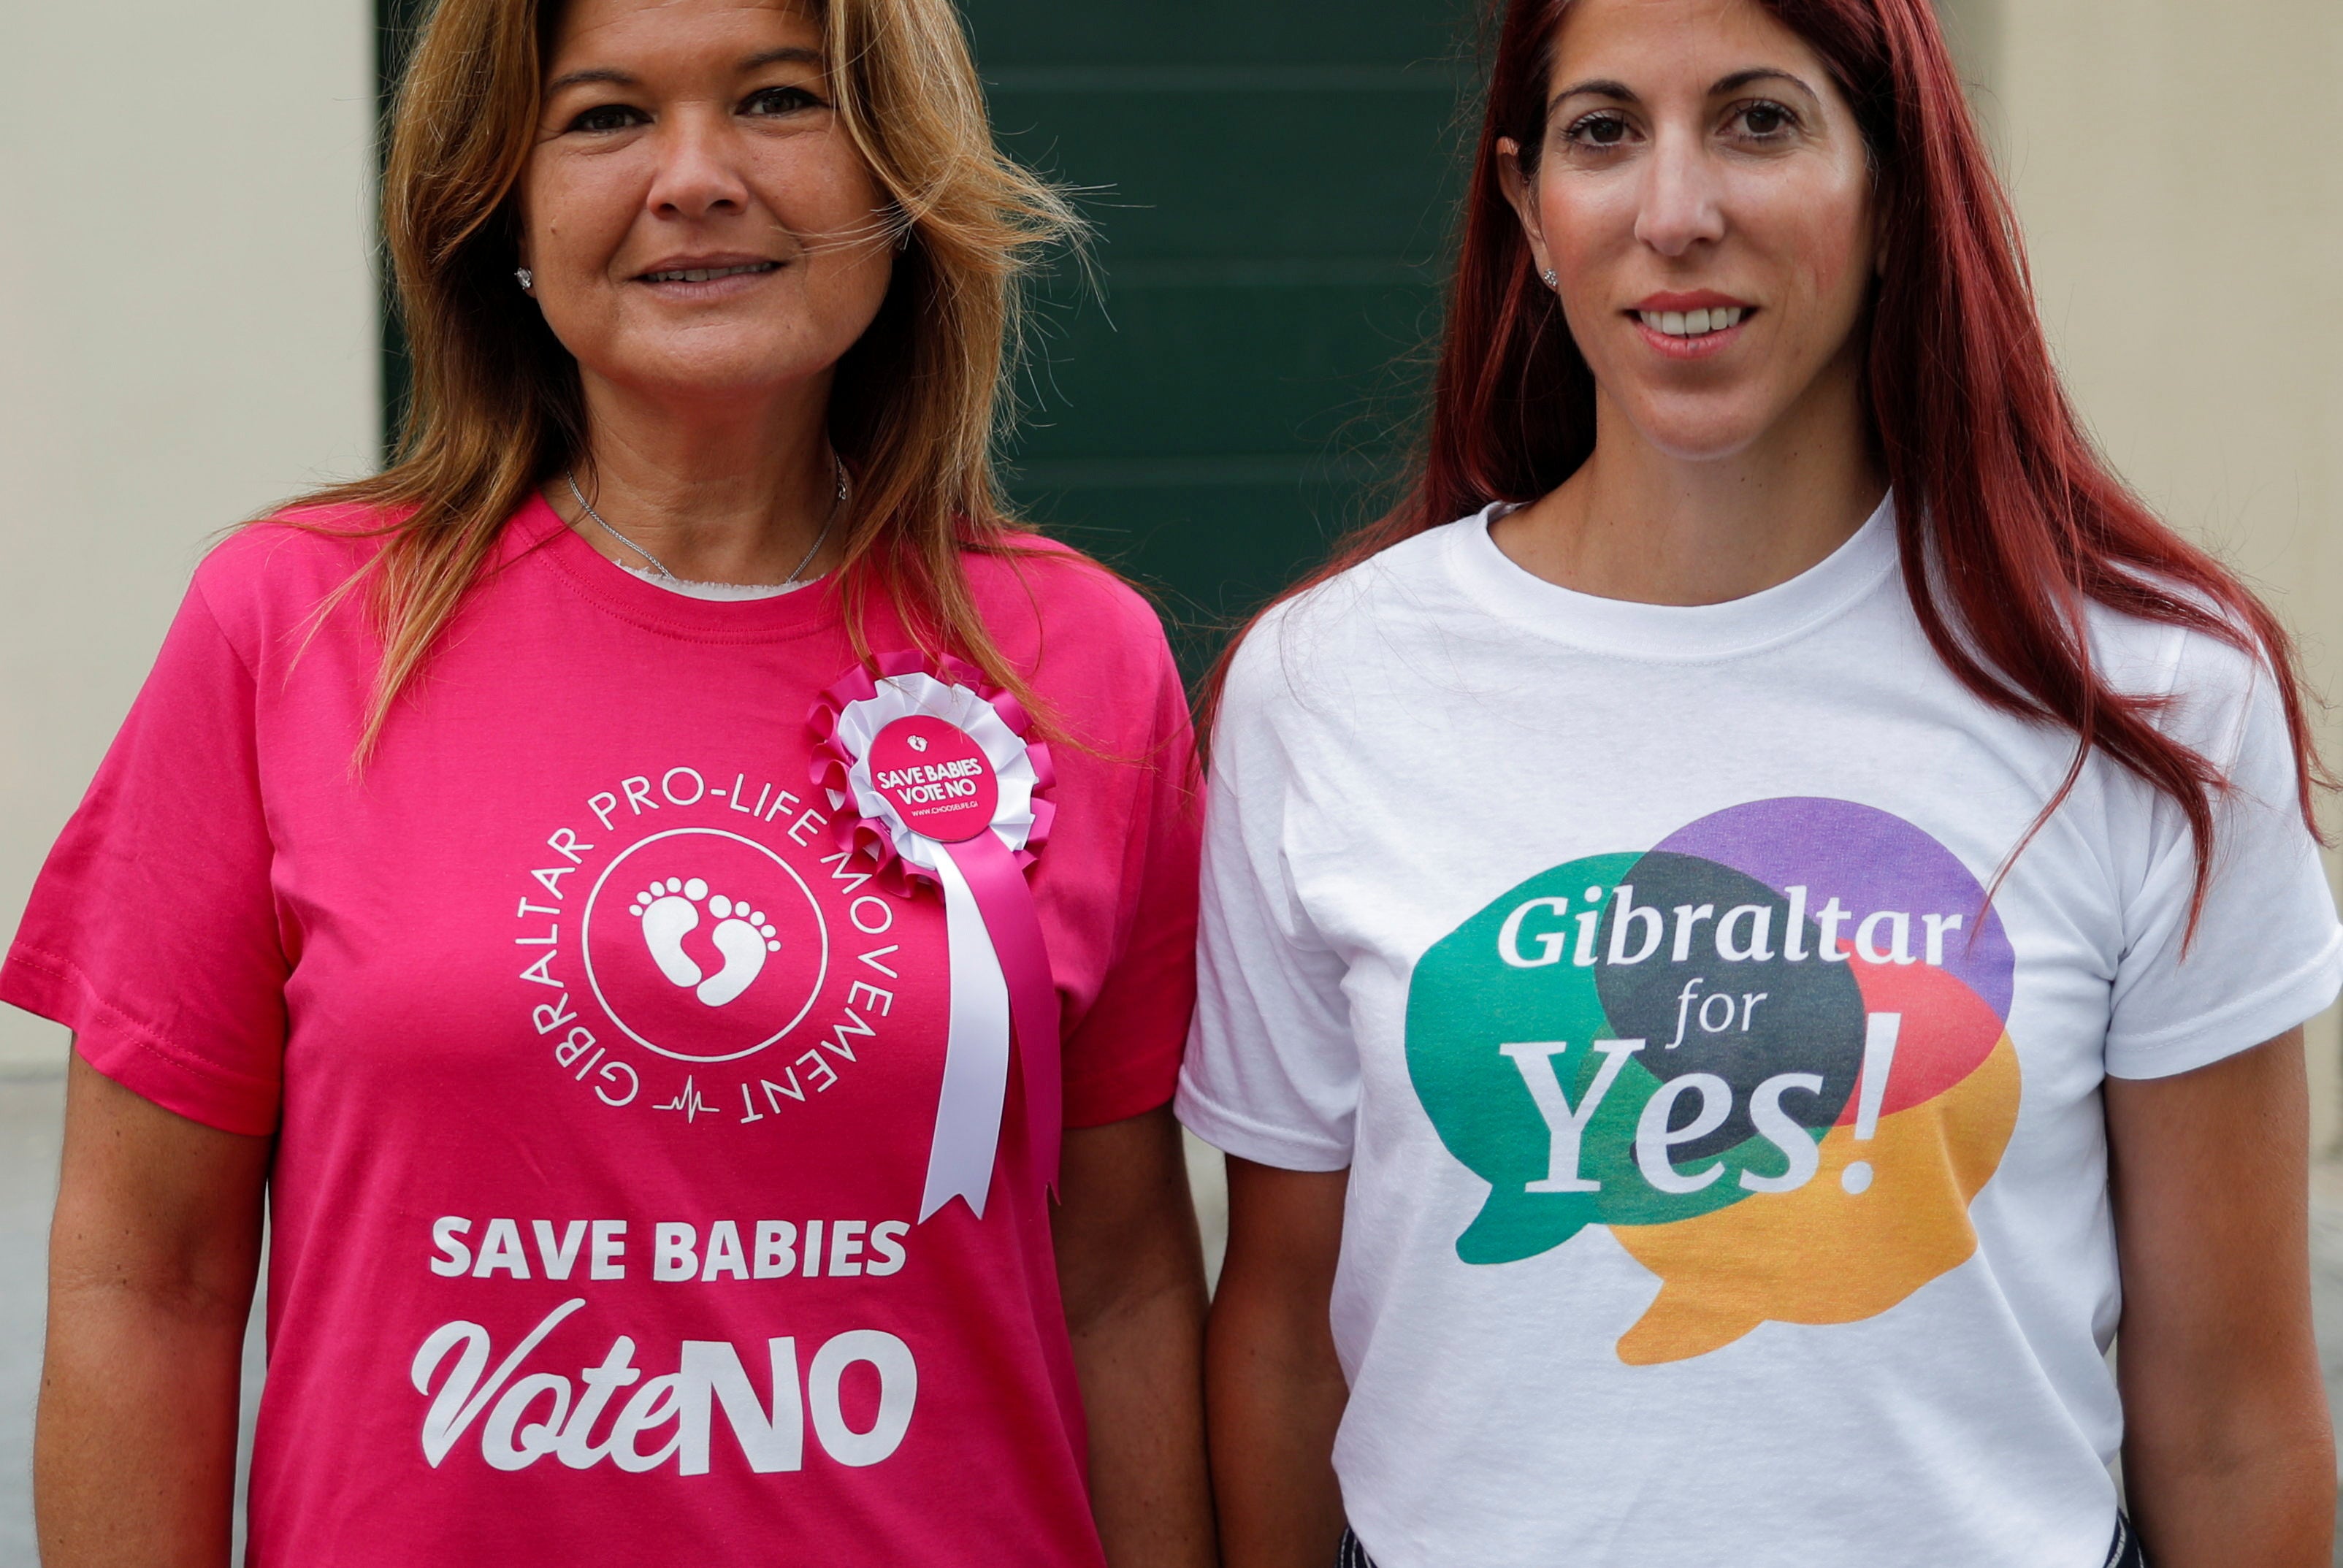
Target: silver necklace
(837, 500)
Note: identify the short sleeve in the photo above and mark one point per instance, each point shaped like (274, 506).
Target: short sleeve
(1122, 1056)
(2268, 952)
(1273, 1069)
(152, 931)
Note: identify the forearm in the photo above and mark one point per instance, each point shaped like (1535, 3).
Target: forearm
(2228, 1455)
(1276, 1395)
(135, 1448)
(2267, 1498)
(152, 1260)
(1140, 1364)
(1131, 1274)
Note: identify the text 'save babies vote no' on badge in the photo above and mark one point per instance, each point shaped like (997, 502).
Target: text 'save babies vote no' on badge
(935, 774)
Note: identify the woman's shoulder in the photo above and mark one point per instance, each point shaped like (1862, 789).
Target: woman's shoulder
(1038, 591)
(292, 546)
(1056, 576)
(2150, 656)
(2203, 681)
(275, 572)
(1092, 644)
(1344, 622)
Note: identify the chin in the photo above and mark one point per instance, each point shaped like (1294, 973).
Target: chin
(704, 370)
(1698, 433)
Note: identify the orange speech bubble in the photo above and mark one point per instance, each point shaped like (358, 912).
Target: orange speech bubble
(1824, 1253)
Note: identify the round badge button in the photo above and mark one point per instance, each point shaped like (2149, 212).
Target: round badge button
(937, 778)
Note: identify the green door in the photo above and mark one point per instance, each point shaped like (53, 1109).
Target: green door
(1270, 181)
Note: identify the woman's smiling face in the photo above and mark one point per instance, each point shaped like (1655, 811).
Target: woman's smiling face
(696, 216)
(1703, 198)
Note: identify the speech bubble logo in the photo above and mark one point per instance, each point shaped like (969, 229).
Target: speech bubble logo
(1837, 1251)
(1769, 1054)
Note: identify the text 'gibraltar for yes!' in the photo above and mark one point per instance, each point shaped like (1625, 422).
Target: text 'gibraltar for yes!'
(1611, 930)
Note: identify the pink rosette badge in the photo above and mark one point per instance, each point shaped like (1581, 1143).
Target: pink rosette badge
(935, 777)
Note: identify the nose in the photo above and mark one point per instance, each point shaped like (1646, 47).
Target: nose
(696, 175)
(1683, 197)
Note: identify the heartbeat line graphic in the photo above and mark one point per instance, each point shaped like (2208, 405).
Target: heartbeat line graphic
(688, 1100)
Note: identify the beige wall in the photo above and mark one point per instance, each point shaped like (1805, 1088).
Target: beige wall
(2174, 164)
(186, 331)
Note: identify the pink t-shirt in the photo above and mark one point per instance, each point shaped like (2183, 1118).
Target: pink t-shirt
(579, 1255)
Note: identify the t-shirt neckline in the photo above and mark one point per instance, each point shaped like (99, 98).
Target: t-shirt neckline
(1659, 631)
(538, 531)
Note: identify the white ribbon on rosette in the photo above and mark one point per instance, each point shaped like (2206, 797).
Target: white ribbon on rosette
(943, 786)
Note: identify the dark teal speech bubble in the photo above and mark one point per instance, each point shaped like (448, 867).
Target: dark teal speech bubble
(1530, 972)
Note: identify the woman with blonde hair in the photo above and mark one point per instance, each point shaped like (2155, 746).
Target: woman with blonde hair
(651, 892)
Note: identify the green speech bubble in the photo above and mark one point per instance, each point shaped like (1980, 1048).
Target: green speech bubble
(1528, 970)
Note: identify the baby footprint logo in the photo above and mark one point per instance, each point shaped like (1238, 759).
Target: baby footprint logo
(670, 911)
(693, 974)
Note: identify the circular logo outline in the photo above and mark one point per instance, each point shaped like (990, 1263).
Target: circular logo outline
(586, 943)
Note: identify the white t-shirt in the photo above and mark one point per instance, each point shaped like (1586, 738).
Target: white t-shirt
(1727, 1180)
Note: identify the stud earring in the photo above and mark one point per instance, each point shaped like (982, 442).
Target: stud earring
(1549, 280)
(526, 278)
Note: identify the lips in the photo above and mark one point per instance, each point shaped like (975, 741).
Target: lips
(706, 271)
(1693, 323)
(1690, 323)
(1702, 299)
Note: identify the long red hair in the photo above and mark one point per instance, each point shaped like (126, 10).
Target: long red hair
(2011, 523)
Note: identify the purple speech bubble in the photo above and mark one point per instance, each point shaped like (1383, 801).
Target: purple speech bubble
(1869, 860)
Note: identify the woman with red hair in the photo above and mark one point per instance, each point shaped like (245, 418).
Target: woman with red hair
(1737, 969)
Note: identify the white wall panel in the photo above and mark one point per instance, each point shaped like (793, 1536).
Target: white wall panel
(186, 334)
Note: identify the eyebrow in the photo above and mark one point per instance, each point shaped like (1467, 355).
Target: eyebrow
(1605, 87)
(796, 54)
(610, 74)
(793, 56)
(1740, 79)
